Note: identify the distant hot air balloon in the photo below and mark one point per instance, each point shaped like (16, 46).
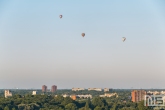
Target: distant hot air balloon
(123, 39)
(60, 16)
(83, 34)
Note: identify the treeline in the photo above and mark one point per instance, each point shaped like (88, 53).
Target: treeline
(63, 91)
(50, 102)
(70, 92)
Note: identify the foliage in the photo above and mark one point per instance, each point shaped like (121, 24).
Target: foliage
(48, 101)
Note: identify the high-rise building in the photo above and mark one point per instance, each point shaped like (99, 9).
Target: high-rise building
(54, 88)
(44, 88)
(8, 93)
(138, 95)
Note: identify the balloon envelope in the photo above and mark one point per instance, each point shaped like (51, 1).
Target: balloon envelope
(60, 16)
(83, 34)
(123, 39)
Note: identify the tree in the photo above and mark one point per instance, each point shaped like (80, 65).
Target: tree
(114, 107)
(98, 101)
(141, 106)
(59, 99)
(82, 108)
(71, 106)
(67, 100)
(60, 108)
(87, 106)
(6, 108)
(98, 108)
(13, 109)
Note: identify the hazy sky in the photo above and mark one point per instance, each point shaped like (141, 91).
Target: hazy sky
(37, 47)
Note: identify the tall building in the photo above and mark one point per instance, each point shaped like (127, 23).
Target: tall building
(138, 95)
(44, 88)
(54, 88)
(8, 93)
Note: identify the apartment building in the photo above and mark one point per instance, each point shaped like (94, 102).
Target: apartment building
(138, 95)
(8, 93)
(34, 92)
(44, 88)
(78, 89)
(109, 95)
(54, 88)
(94, 89)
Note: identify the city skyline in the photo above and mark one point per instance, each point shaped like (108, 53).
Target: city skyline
(37, 47)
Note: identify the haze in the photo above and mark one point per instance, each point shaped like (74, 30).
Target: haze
(37, 47)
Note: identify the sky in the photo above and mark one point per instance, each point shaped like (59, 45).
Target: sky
(38, 48)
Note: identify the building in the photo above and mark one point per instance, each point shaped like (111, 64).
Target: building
(109, 95)
(138, 95)
(34, 92)
(78, 96)
(153, 93)
(162, 92)
(78, 89)
(44, 88)
(84, 96)
(54, 88)
(8, 93)
(106, 89)
(73, 97)
(94, 89)
(65, 95)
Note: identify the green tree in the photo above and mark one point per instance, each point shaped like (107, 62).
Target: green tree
(6, 108)
(71, 106)
(13, 109)
(67, 100)
(141, 106)
(87, 105)
(60, 108)
(82, 108)
(59, 99)
(98, 101)
(98, 108)
(114, 107)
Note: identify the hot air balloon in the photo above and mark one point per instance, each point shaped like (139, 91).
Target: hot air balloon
(83, 34)
(123, 39)
(60, 16)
